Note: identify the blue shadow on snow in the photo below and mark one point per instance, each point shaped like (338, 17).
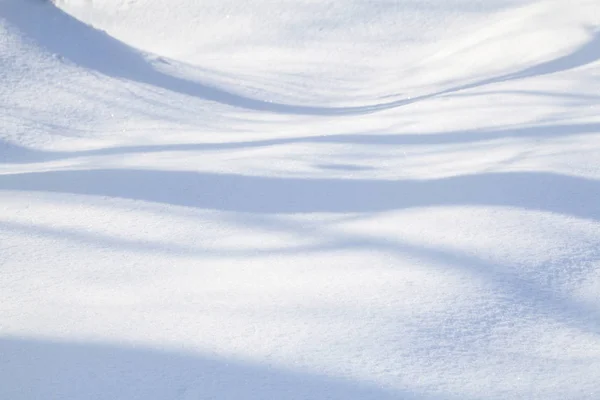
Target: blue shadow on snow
(536, 191)
(43, 369)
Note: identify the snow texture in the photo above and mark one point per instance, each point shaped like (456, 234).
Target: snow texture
(299, 199)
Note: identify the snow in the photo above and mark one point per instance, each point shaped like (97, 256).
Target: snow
(299, 199)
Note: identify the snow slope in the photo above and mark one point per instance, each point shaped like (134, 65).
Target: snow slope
(225, 199)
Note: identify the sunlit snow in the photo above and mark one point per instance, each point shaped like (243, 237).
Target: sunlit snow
(299, 199)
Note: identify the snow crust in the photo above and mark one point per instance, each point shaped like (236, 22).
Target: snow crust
(230, 199)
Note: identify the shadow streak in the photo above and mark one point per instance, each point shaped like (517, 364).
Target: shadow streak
(543, 293)
(515, 287)
(587, 53)
(10, 153)
(536, 191)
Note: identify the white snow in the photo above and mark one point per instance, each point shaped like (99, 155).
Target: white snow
(307, 199)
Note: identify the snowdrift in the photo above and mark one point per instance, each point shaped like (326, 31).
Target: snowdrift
(299, 199)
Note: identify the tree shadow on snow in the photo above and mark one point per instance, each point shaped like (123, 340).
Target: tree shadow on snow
(543, 294)
(532, 292)
(535, 191)
(44, 369)
(10, 153)
(59, 33)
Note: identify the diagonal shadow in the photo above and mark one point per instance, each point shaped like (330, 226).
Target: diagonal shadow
(532, 292)
(10, 153)
(535, 191)
(59, 33)
(45, 369)
(587, 53)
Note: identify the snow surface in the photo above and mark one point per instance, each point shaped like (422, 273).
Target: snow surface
(299, 199)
